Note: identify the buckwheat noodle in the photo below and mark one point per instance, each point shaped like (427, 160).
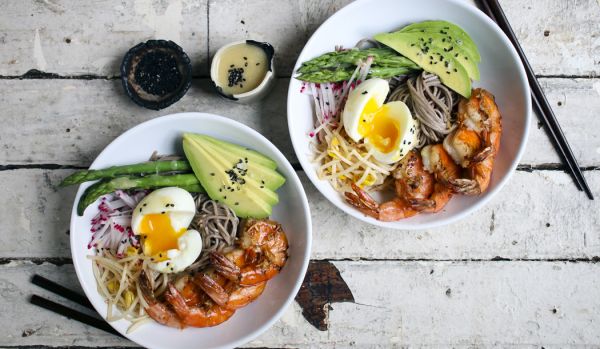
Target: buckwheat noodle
(217, 225)
(431, 103)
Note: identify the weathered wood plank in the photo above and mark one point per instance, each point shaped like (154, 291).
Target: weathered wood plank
(69, 37)
(537, 215)
(73, 37)
(70, 121)
(441, 304)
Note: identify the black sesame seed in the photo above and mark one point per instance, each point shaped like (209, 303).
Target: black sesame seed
(245, 58)
(167, 205)
(212, 173)
(257, 63)
(237, 203)
(246, 64)
(364, 92)
(163, 212)
(262, 187)
(145, 204)
(455, 70)
(140, 209)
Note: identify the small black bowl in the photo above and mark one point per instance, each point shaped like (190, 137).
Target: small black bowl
(156, 73)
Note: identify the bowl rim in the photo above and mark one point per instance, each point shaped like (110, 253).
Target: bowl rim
(294, 179)
(308, 167)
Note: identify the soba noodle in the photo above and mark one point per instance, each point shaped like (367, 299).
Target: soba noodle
(432, 104)
(218, 227)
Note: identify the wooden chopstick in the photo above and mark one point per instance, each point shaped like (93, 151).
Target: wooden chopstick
(61, 291)
(64, 310)
(73, 314)
(494, 11)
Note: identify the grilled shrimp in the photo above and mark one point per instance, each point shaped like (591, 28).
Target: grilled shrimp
(475, 143)
(203, 314)
(437, 161)
(260, 254)
(158, 311)
(227, 292)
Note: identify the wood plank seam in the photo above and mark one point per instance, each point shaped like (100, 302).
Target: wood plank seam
(59, 261)
(34, 74)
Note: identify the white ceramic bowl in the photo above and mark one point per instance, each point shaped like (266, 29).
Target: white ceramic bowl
(501, 73)
(164, 134)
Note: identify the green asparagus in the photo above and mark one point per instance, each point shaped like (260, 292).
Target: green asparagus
(327, 75)
(340, 65)
(106, 186)
(135, 169)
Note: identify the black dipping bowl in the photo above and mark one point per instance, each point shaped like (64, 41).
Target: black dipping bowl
(156, 74)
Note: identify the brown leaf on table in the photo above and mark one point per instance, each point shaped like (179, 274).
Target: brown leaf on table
(322, 286)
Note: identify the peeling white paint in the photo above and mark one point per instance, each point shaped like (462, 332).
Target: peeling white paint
(167, 26)
(38, 54)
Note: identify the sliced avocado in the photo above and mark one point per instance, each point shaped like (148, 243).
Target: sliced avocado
(431, 58)
(267, 177)
(214, 178)
(238, 149)
(238, 175)
(450, 49)
(449, 30)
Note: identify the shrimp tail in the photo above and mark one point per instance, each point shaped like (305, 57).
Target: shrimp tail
(483, 154)
(362, 201)
(224, 266)
(211, 288)
(465, 186)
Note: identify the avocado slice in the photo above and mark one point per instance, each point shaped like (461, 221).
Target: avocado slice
(267, 177)
(214, 177)
(451, 31)
(238, 177)
(238, 149)
(431, 58)
(460, 54)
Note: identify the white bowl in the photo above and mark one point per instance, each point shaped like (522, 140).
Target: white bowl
(501, 73)
(164, 135)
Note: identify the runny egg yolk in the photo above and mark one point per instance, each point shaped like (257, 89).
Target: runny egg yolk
(378, 127)
(158, 235)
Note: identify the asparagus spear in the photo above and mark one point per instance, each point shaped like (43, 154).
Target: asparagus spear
(339, 65)
(327, 75)
(112, 172)
(93, 192)
(349, 58)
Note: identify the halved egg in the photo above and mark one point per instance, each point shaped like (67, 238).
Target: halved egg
(162, 219)
(389, 130)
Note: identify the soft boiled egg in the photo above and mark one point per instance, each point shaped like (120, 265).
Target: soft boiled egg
(162, 219)
(389, 129)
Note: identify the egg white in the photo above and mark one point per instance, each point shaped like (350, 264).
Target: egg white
(358, 98)
(161, 200)
(399, 113)
(189, 247)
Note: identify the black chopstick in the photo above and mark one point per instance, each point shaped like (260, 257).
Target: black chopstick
(61, 291)
(73, 314)
(494, 11)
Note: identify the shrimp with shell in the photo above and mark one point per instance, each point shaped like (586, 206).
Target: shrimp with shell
(475, 143)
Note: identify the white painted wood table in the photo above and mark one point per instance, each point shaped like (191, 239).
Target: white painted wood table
(523, 271)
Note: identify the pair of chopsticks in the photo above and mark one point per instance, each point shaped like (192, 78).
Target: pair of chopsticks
(542, 107)
(64, 310)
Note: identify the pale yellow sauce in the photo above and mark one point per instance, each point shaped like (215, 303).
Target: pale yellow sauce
(243, 65)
